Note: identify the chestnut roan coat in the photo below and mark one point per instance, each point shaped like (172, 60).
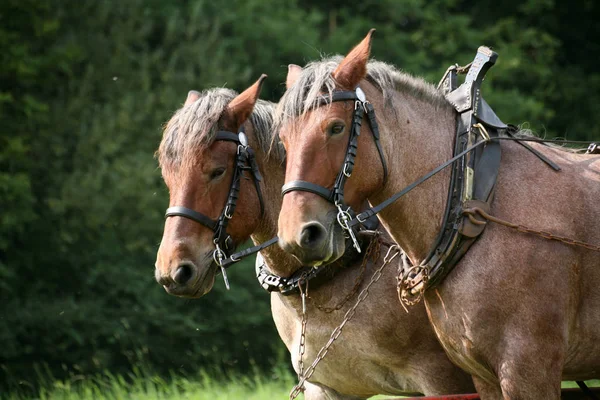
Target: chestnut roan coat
(518, 312)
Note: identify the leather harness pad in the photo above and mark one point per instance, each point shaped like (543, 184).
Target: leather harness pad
(472, 179)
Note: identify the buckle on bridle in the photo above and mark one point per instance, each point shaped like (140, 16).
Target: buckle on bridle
(484, 133)
(219, 256)
(343, 218)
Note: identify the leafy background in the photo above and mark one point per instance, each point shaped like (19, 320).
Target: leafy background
(85, 87)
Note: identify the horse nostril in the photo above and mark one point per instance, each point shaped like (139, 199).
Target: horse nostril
(312, 235)
(184, 273)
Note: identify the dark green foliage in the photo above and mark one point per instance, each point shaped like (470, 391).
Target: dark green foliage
(84, 89)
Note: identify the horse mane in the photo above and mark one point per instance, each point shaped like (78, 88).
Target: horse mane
(316, 79)
(193, 128)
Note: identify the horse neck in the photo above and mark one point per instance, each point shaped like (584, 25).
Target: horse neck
(273, 173)
(418, 137)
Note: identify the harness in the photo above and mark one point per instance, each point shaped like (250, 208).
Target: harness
(474, 168)
(245, 160)
(336, 194)
(316, 276)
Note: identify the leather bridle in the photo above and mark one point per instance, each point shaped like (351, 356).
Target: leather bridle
(336, 194)
(244, 161)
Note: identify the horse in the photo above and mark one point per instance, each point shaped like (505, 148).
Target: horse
(382, 350)
(518, 312)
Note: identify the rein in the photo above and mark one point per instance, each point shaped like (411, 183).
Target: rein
(336, 194)
(370, 212)
(244, 161)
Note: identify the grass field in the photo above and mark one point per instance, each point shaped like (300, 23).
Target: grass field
(147, 387)
(140, 386)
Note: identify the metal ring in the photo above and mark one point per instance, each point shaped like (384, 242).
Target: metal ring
(227, 212)
(345, 217)
(392, 247)
(219, 256)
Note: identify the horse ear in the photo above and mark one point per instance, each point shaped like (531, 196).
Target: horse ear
(240, 108)
(353, 67)
(193, 95)
(294, 72)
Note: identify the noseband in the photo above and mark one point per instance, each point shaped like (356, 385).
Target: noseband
(336, 195)
(244, 161)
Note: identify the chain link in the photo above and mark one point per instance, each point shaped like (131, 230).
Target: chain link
(371, 254)
(302, 344)
(470, 213)
(389, 257)
(412, 282)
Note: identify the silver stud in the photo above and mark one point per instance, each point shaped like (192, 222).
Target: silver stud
(243, 139)
(361, 95)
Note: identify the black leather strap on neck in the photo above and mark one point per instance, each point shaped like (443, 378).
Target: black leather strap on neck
(368, 213)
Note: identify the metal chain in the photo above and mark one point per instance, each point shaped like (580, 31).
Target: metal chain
(372, 254)
(347, 317)
(412, 282)
(470, 213)
(302, 344)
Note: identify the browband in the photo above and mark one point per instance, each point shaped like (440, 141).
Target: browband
(338, 95)
(228, 136)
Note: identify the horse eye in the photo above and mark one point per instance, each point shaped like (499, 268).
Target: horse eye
(336, 129)
(217, 173)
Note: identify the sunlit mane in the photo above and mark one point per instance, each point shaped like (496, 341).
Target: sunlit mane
(316, 79)
(193, 127)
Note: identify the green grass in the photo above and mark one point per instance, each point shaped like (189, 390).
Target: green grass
(276, 385)
(144, 386)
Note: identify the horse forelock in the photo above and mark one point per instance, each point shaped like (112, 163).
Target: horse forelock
(316, 79)
(193, 127)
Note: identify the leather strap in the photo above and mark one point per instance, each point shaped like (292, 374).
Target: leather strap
(363, 216)
(228, 136)
(375, 131)
(179, 211)
(235, 257)
(307, 187)
(338, 95)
